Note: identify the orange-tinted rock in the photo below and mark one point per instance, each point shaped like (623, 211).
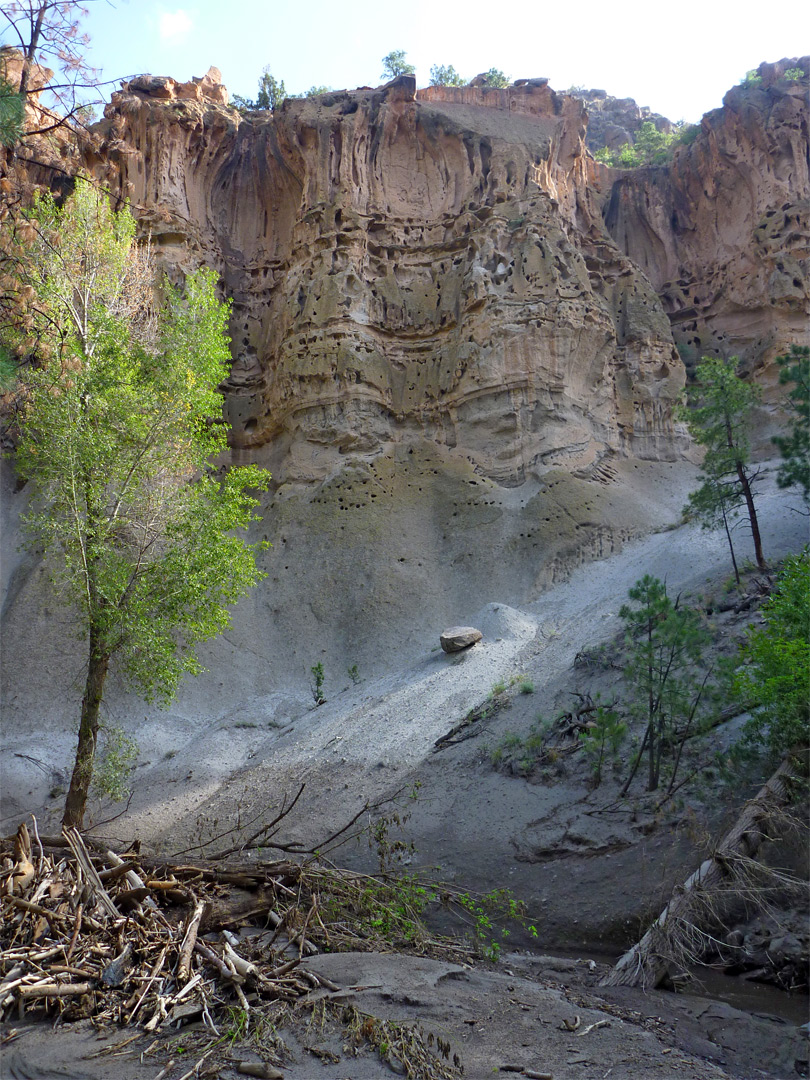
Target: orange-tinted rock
(723, 233)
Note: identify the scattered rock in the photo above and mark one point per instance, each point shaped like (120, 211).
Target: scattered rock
(458, 638)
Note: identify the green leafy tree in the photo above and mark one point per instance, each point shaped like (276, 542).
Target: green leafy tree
(795, 446)
(495, 77)
(317, 91)
(395, 64)
(665, 642)
(121, 425)
(776, 672)
(719, 418)
(651, 145)
(446, 76)
(270, 94)
(271, 91)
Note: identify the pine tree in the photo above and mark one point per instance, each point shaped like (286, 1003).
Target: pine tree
(719, 417)
(795, 447)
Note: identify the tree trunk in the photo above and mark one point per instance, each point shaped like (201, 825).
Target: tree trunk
(647, 963)
(88, 731)
(752, 515)
(730, 544)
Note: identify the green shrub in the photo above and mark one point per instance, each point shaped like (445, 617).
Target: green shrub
(115, 764)
(793, 74)
(777, 671)
(316, 685)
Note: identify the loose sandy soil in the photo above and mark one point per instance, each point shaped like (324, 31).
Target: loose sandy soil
(589, 878)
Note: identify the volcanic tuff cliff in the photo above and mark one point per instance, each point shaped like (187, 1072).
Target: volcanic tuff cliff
(403, 270)
(723, 232)
(448, 344)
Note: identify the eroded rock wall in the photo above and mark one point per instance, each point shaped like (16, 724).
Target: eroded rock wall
(462, 380)
(723, 232)
(408, 269)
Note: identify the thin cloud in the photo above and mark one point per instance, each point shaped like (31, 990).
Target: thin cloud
(174, 25)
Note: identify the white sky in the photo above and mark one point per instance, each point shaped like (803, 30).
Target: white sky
(678, 58)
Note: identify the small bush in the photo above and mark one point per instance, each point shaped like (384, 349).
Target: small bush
(115, 764)
(777, 675)
(527, 686)
(793, 74)
(316, 685)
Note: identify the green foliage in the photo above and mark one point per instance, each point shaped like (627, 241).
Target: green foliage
(495, 77)
(523, 754)
(117, 443)
(776, 673)
(484, 911)
(441, 75)
(8, 370)
(719, 418)
(685, 133)
(395, 64)
(354, 674)
(12, 112)
(317, 683)
(793, 74)
(317, 91)
(115, 764)
(270, 94)
(651, 146)
(602, 738)
(795, 446)
(271, 91)
(526, 686)
(665, 642)
(751, 78)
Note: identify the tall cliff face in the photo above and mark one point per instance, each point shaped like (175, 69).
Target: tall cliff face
(409, 270)
(723, 232)
(448, 345)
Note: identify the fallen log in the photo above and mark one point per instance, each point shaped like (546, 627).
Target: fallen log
(649, 961)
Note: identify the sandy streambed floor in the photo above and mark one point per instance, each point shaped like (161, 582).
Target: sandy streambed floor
(534, 1015)
(589, 878)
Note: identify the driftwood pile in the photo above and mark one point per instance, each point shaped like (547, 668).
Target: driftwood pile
(86, 932)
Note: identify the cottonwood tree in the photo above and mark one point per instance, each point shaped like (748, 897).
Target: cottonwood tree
(718, 417)
(121, 425)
